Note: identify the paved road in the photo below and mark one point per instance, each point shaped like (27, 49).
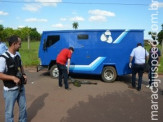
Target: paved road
(104, 102)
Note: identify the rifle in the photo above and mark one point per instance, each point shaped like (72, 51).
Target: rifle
(78, 83)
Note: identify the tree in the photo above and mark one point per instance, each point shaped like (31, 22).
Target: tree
(153, 35)
(1, 27)
(158, 36)
(75, 25)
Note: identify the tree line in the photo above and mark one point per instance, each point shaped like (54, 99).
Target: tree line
(157, 36)
(24, 33)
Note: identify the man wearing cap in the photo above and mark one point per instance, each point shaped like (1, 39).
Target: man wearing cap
(64, 57)
(140, 54)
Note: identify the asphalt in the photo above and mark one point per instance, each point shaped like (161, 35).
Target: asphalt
(104, 102)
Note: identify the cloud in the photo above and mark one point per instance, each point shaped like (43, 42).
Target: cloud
(21, 26)
(100, 15)
(32, 7)
(49, 2)
(77, 18)
(98, 18)
(3, 13)
(40, 3)
(35, 20)
(160, 4)
(1, 21)
(101, 12)
(59, 25)
(63, 19)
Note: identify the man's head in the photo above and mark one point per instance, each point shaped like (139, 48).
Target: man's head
(139, 44)
(71, 49)
(14, 42)
(154, 44)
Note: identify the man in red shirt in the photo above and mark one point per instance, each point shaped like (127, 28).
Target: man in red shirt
(64, 57)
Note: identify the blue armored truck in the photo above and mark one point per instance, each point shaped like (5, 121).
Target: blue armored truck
(97, 52)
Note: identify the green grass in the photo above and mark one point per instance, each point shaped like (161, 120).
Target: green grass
(29, 56)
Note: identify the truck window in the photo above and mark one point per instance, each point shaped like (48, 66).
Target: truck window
(52, 40)
(82, 36)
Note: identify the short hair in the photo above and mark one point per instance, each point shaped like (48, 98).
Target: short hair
(139, 44)
(13, 39)
(154, 43)
(71, 48)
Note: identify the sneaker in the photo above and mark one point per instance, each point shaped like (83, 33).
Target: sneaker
(151, 87)
(68, 89)
(148, 86)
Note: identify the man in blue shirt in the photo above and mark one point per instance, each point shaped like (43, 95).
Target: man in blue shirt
(140, 54)
(3, 47)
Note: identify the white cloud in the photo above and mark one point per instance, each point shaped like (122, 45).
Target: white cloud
(160, 4)
(59, 25)
(98, 18)
(32, 7)
(3, 13)
(100, 15)
(1, 21)
(101, 12)
(63, 19)
(21, 26)
(49, 2)
(36, 20)
(40, 4)
(77, 18)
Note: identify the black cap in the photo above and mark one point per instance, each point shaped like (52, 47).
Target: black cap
(71, 48)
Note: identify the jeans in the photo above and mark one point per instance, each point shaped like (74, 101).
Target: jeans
(137, 69)
(63, 74)
(11, 97)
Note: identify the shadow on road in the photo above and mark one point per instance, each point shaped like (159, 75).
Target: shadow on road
(37, 105)
(115, 107)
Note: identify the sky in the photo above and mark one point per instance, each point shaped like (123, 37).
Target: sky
(90, 14)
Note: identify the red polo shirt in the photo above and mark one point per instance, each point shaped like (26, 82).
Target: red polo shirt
(63, 56)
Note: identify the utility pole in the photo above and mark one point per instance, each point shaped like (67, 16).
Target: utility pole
(28, 42)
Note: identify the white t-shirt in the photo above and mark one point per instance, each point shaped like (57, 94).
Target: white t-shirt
(139, 54)
(3, 67)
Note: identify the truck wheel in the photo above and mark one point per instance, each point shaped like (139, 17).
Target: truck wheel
(54, 73)
(109, 74)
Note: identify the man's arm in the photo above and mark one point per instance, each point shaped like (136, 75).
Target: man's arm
(68, 65)
(130, 62)
(9, 77)
(23, 73)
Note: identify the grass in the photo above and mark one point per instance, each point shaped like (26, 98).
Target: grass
(29, 56)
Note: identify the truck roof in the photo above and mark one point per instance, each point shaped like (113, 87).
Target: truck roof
(93, 30)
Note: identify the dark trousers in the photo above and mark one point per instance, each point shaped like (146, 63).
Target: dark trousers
(137, 69)
(63, 74)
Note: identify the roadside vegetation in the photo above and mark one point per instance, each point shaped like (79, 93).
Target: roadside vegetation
(30, 56)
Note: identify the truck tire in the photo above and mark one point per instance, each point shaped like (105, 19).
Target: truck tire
(109, 74)
(54, 73)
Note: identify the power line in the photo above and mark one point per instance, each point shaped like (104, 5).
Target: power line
(86, 3)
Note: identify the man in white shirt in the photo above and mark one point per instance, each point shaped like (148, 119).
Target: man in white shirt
(10, 67)
(140, 55)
